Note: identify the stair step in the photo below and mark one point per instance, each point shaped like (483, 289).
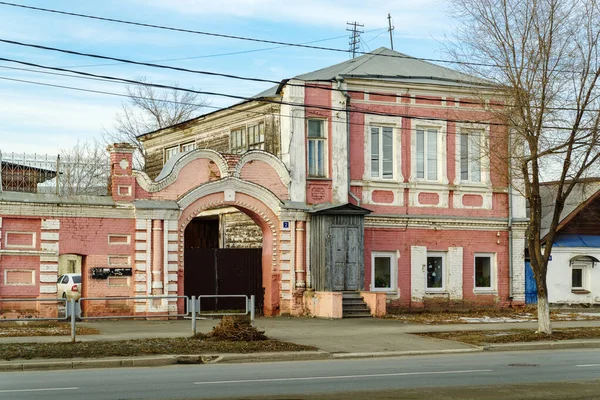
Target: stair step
(357, 315)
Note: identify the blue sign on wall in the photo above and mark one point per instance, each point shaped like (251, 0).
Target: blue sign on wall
(286, 224)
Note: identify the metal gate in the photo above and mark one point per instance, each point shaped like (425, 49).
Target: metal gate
(530, 285)
(223, 272)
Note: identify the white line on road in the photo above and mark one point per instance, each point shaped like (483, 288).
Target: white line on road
(343, 377)
(588, 365)
(38, 390)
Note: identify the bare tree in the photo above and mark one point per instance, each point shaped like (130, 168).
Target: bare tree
(543, 58)
(83, 169)
(149, 109)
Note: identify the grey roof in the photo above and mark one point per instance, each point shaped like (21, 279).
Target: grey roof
(270, 92)
(386, 64)
(581, 193)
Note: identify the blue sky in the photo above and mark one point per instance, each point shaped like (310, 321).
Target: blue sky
(42, 119)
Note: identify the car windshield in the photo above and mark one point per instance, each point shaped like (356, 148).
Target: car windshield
(77, 278)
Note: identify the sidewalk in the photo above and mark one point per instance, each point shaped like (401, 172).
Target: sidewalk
(334, 339)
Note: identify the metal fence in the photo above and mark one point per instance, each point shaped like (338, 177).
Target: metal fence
(86, 173)
(72, 309)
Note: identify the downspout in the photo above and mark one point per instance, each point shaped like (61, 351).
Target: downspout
(340, 81)
(510, 220)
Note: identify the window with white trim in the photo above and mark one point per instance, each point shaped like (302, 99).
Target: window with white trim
(579, 275)
(470, 156)
(383, 271)
(317, 148)
(170, 152)
(237, 140)
(382, 152)
(256, 137)
(427, 153)
(188, 146)
(484, 272)
(436, 271)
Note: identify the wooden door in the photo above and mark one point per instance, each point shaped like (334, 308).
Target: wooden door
(338, 258)
(352, 262)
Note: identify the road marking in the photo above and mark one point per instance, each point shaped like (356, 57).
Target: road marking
(588, 365)
(38, 390)
(343, 377)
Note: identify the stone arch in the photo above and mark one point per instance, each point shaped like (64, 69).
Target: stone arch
(174, 166)
(262, 206)
(268, 158)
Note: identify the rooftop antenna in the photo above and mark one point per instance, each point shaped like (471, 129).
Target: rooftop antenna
(354, 36)
(390, 29)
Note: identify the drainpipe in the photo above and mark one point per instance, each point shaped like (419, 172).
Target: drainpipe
(340, 81)
(510, 220)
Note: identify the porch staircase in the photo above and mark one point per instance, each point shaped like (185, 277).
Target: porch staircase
(353, 306)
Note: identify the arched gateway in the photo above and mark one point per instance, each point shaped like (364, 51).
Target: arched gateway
(200, 180)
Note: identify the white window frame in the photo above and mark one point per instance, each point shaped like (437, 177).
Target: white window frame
(585, 270)
(441, 153)
(325, 141)
(393, 270)
(444, 256)
(170, 152)
(238, 148)
(260, 145)
(188, 146)
(493, 269)
(484, 164)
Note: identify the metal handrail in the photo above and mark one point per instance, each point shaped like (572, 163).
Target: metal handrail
(43, 300)
(134, 315)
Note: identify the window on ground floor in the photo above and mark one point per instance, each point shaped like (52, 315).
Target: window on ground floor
(436, 271)
(383, 276)
(579, 273)
(484, 271)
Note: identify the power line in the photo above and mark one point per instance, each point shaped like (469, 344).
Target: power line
(252, 79)
(168, 28)
(264, 100)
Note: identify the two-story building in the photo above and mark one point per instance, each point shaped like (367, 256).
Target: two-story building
(383, 175)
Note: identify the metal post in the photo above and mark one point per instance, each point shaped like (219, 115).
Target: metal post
(1, 171)
(58, 174)
(193, 310)
(252, 300)
(73, 328)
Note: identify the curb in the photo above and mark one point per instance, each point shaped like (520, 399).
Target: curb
(571, 344)
(405, 353)
(89, 363)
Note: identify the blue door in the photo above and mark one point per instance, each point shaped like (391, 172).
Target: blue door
(530, 285)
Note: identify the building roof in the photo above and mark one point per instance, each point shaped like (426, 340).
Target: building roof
(390, 65)
(381, 64)
(581, 194)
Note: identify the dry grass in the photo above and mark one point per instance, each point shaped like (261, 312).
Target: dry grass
(520, 314)
(514, 335)
(145, 347)
(41, 328)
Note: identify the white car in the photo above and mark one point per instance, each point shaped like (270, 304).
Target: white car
(69, 286)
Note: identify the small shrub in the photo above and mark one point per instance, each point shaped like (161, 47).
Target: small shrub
(238, 329)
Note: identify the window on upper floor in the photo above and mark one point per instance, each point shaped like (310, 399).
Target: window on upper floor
(188, 146)
(470, 156)
(317, 148)
(256, 137)
(382, 152)
(170, 152)
(427, 153)
(237, 141)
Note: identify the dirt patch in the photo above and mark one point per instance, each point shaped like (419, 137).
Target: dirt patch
(41, 328)
(488, 315)
(514, 335)
(145, 347)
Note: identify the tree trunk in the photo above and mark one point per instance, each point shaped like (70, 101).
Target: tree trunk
(543, 313)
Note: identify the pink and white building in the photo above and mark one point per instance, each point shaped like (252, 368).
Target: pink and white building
(383, 175)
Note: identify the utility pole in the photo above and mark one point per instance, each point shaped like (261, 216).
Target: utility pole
(354, 36)
(390, 29)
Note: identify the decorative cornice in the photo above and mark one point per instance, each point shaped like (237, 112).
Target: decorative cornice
(171, 176)
(231, 183)
(268, 158)
(428, 222)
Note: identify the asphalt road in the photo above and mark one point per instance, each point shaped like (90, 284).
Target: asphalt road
(306, 377)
